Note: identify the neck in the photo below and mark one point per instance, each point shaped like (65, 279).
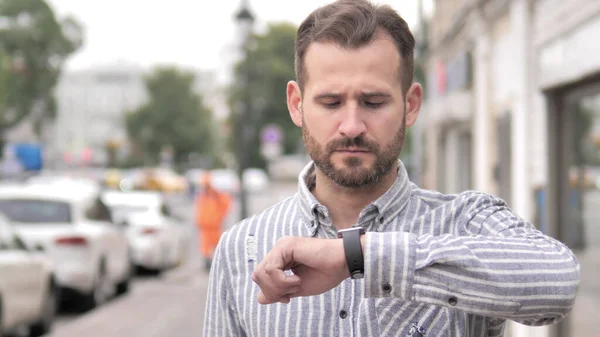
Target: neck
(345, 204)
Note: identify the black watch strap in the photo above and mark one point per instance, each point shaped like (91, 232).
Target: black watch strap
(353, 251)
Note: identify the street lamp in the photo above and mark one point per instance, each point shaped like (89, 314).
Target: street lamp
(243, 126)
(245, 21)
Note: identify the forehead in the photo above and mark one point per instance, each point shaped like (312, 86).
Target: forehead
(375, 65)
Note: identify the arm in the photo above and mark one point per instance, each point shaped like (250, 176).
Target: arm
(221, 318)
(504, 267)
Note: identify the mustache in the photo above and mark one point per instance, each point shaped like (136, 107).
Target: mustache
(359, 142)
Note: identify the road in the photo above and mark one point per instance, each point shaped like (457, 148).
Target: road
(168, 305)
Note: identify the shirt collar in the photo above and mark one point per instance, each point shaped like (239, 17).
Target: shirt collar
(384, 209)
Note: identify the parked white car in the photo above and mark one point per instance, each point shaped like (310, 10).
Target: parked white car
(255, 180)
(157, 238)
(28, 292)
(226, 180)
(73, 226)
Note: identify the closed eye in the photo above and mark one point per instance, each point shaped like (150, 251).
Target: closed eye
(331, 105)
(373, 105)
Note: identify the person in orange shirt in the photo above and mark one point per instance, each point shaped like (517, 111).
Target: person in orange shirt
(212, 207)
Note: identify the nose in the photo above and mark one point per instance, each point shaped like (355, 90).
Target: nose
(352, 124)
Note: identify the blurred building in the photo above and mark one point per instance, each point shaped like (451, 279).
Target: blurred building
(512, 108)
(91, 110)
(475, 77)
(92, 105)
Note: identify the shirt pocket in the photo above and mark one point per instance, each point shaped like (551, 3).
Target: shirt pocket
(396, 317)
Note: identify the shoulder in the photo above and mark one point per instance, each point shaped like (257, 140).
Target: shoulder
(470, 202)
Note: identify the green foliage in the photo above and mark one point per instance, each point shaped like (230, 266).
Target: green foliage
(269, 65)
(35, 45)
(4, 65)
(175, 116)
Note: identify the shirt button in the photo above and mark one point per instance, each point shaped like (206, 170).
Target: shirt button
(452, 301)
(387, 288)
(381, 220)
(343, 314)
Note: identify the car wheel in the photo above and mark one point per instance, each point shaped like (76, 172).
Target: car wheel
(100, 292)
(123, 286)
(44, 324)
(207, 264)
(1, 324)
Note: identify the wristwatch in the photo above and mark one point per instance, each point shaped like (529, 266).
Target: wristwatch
(353, 251)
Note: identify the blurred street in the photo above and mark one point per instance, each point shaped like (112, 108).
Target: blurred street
(171, 304)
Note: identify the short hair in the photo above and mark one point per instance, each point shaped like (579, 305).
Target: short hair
(353, 24)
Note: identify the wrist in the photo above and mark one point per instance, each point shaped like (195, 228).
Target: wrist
(363, 241)
(341, 260)
(353, 251)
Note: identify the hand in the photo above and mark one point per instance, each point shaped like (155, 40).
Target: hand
(319, 265)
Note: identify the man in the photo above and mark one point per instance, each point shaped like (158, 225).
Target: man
(429, 264)
(212, 207)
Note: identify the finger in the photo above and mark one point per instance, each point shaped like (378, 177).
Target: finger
(269, 293)
(279, 278)
(264, 299)
(292, 280)
(285, 300)
(292, 291)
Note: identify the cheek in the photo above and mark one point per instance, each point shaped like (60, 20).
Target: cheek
(322, 128)
(384, 130)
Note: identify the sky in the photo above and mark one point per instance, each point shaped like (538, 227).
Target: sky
(195, 34)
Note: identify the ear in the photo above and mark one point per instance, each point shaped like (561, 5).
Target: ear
(414, 98)
(294, 102)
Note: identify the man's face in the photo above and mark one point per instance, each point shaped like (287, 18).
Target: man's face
(355, 169)
(353, 113)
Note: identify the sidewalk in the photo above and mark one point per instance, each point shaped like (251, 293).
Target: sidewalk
(586, 313)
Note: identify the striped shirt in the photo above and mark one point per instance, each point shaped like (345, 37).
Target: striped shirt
(435, 265)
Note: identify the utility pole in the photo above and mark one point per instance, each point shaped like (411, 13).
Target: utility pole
(243, 125)
(417, 136)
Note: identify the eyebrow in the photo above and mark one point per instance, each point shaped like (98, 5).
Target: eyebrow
(327, 95)
(375, 94)
(371, 94)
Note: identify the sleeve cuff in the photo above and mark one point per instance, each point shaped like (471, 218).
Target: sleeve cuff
(389, 265)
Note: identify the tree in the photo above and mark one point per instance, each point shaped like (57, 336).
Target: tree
(174, 117)
(269, 65)
(35, 45)
(3, 83)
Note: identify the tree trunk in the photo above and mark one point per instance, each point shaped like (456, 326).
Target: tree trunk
(2, 131)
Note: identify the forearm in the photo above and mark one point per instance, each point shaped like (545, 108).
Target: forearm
(525, 278)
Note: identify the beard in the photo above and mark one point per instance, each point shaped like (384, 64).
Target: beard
(354, 174)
